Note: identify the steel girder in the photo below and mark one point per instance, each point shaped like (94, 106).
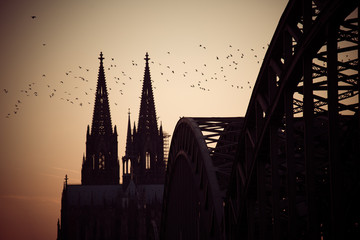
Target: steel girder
(296, 173)
(199, 166)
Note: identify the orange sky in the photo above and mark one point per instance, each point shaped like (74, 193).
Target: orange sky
(56, 54)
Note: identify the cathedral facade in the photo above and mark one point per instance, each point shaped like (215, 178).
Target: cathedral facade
(100, 207)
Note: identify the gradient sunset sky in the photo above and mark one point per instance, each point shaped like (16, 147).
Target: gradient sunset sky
(205, 57)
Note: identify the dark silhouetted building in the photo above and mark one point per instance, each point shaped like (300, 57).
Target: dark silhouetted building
(144, 154)
(101, 164)
(101, 207)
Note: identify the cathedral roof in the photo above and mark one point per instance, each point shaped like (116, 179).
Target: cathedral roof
(151, 192)
(93, 195)
(131, 189)
(105, 195)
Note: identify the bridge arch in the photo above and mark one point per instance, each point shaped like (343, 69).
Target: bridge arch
(195, 178)
(290, 168)
(295, 158)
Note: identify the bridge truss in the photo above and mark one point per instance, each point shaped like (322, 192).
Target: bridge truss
(199, 165)
(290, 169)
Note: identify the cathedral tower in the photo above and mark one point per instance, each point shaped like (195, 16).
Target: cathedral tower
(145, 147)
(100, 165)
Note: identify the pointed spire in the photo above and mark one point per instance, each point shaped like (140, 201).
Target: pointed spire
(101, 124)
(128, 138)
(147, 116)
(134, 129)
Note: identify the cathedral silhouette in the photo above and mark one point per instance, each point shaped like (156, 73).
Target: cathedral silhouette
(101, 207)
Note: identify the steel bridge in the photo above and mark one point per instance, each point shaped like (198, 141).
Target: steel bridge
(289, 169)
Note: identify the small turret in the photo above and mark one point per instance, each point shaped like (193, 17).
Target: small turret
(65, 181)
(128, 149)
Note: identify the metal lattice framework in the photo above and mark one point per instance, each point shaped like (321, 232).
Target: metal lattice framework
(294, 172)
(296, 175)
(200, 160)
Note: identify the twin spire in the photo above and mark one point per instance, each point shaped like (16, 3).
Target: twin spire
(101, 124)
(144, 146)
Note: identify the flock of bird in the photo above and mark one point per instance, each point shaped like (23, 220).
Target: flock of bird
(76, 88)
(203, 73)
